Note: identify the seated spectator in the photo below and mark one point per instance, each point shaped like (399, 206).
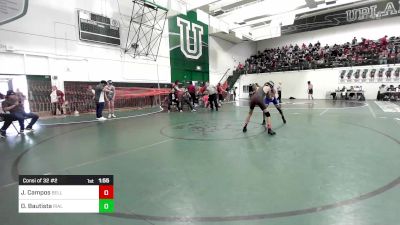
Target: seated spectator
(383, 41)
(240, 67)
(398, 57)
(292, 57)
(13, 105)
(354, 41)
(383, 57)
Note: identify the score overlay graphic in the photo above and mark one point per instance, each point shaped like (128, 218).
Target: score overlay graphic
(66, 194)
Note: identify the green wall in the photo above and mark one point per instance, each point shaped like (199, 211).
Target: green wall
(188, 64)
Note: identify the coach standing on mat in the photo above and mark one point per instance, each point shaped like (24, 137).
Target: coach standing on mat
(99, 98)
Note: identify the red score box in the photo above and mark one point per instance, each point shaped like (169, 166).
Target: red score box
(106, 192)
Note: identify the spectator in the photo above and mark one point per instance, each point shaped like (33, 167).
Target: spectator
(383, 41)
(185, 99)
(292, 58)
(100, 91)
(192, 91)
(354, 41)
(13, 105)
(212, 93)
(175, 87)
(57, 100)
(174, 96)
(20, 95)
(220, 91)
(240, 66)
(383, 56)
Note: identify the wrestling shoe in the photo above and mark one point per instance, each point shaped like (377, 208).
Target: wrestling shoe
(3, 134)
(29, 129)
(244, 129)
(271, 132)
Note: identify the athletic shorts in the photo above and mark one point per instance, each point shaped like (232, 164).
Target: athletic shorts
(310, 91)
(110, 97)
(268, 100)
(255, 101)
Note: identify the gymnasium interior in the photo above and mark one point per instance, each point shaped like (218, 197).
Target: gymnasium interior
(141, 107)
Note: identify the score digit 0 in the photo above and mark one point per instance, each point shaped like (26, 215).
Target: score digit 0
(106, 192)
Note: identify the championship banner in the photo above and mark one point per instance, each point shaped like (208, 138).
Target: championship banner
(188, 41)
(362, 13)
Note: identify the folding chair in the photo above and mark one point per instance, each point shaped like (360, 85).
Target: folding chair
(16, 129)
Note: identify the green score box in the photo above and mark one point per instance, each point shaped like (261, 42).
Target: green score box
(106, 206)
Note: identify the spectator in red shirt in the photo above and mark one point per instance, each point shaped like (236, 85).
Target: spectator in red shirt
(240, 66)
(203, 88)
(220, 91)
(384, 41)
(192, 91)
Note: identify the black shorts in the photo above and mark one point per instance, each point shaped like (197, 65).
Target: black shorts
(255, 101)
(310, 91)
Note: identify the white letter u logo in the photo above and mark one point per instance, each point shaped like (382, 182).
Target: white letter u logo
(184, 28)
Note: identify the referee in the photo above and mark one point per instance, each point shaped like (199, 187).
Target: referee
(279, 89)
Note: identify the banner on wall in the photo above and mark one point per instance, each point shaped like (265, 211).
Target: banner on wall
(362, 13)
(11, 10)
(188, 42)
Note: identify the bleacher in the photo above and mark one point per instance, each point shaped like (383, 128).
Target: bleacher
(314, 56)
(39, 93)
